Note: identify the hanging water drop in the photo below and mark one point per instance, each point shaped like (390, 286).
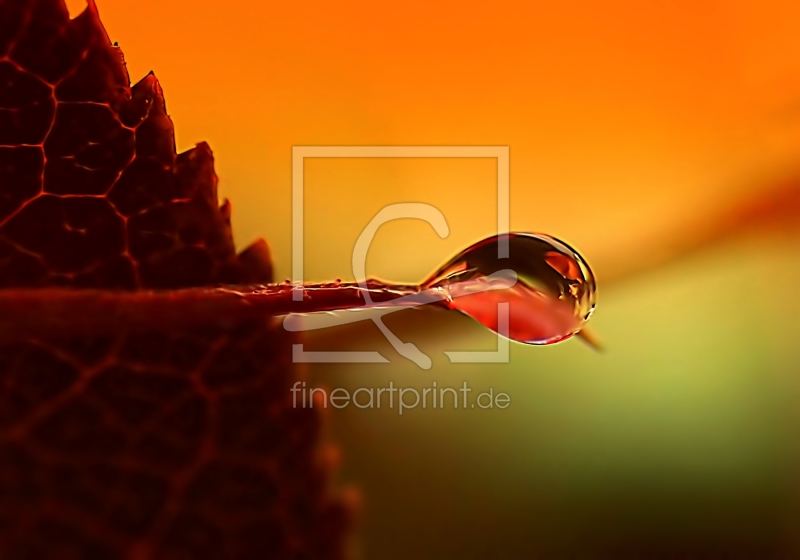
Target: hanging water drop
(551, 300)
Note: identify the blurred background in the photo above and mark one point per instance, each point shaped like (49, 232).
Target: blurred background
(661, 140)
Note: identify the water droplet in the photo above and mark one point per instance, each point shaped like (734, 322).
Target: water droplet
(551, 300)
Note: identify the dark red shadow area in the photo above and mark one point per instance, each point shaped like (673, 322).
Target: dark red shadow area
(144, 445)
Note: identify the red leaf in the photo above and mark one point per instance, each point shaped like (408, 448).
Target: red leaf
(135, 445)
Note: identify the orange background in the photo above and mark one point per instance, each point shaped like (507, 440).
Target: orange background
(626, 120)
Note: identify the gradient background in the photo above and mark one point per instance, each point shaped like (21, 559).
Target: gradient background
(662, 140)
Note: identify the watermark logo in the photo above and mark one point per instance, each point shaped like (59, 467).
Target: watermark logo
(400, 398)
(420, 211)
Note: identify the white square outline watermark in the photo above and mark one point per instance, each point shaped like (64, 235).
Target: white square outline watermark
(299, 155)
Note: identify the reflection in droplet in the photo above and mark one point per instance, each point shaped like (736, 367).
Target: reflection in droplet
(552, 298)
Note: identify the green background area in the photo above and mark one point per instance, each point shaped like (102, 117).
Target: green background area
(680, 438)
